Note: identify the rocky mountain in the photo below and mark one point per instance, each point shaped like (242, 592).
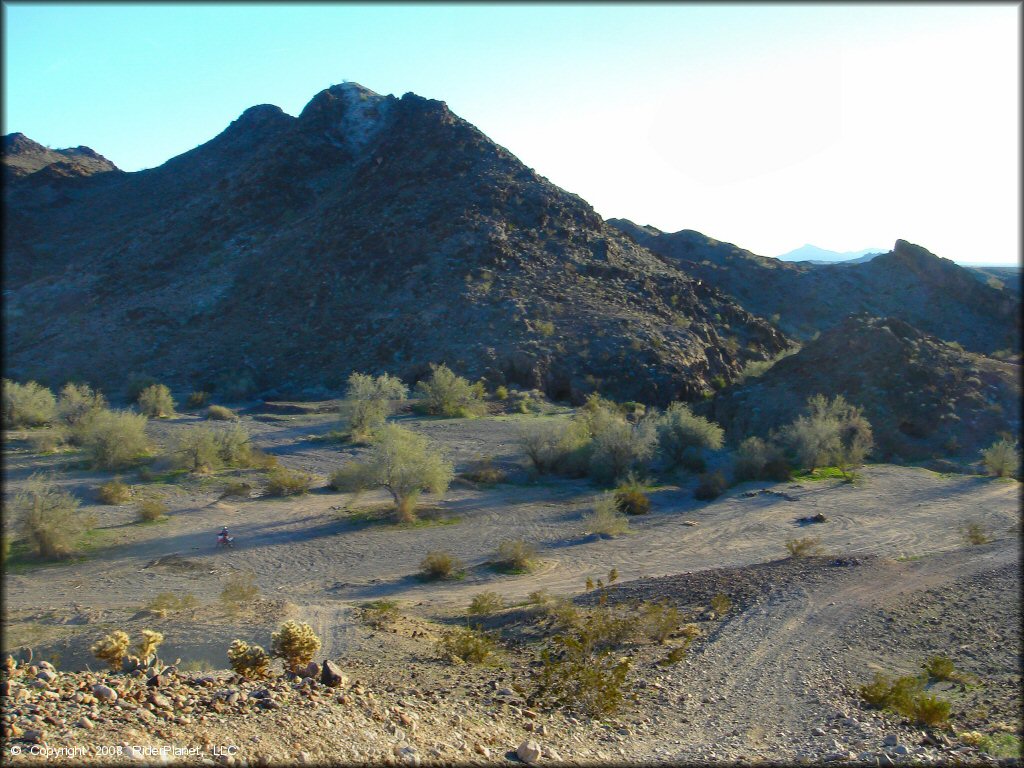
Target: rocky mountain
(924, 397)
(369, 233)
(816, 255)
(909, 283)
(25, 158)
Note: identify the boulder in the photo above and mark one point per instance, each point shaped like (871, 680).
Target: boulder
(529, 752)
(331, 675)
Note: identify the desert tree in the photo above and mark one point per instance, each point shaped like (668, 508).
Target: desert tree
(369, 400)
(448, 394)
(682, 435)
(49, 517)
(27, 405)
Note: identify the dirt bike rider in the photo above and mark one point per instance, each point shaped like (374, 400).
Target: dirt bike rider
(223, 537)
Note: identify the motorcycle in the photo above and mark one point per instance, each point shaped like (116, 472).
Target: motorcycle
(226, 541)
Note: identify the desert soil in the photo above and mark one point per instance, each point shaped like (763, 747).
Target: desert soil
(773, 679)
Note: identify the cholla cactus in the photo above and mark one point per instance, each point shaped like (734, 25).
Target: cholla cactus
(112, 649)
(295, 643)
(248, 660)
(148, 644)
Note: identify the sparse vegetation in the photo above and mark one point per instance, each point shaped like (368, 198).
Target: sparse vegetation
(657, 621)
(757, 460)
(27, 405)
(112, 649)
(683, 437)
(606, 520)
(156, 402)
(710, 486)
(941, 668)
(221, 413)
(441, 565)
(349, 478)
(77, 401)
(1002, 459)
(618, 446)
(467, 644)
(380, 613)
(830, 432)
(112, 439)
(48, 517)
(447, 394)
(196, 449)
(515, 556)
(630, 497)
(483, 472)
(114, 492)
(197, 399)
(249, 660)
(906, 696)
(167, 602)
(975, 533)
(721, 603)
(282, 481)
(486, 603)
(239, 592)
(369, 401)
(147, 646)
(295, 643)
(150, 510)
(803, 547)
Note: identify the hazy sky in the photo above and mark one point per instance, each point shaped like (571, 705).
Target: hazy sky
(768, 126)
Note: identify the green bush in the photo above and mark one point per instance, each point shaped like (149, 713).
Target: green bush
(249, 660)
(234, 447)
(296, 644)
(114, 492)
(136, 384)
(829, 433)
(150, 510)
(630, 497)
(156, 402)
(757, 460)
(447, 394)
(658, 621)
(380, 613)
(710, 486)
(681, 434)
(282, 481)
(27, 405)
(239, 592)
(802, 547)
(48, 517)
(974, 533)
(441, 565)
(483, 472)
(466, 644)
(515, 555)
(606, 520)
(619, 447)
(403, 462)
(112, 439)
(721, 603)
(47, 440)
(197, 400)
(168, 602)
(77, 401)
(349, 478)
(1001, 459)
(552, 445)
(220, 413)
(941, 668)
(196, 449)
(486, 603)
(369, 401)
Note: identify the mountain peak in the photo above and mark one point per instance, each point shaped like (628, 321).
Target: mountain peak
(348, 114)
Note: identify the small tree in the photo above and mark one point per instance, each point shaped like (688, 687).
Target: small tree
(49, 517)
(757, 460)
(829, 432)
(370, 400)
(112, 439)
(619, 447)
(156, 402)
(681, 434)
(196, 449)
(77, 401)
(404, 463)
(27, 405)
(1001, 459)
(447, 394)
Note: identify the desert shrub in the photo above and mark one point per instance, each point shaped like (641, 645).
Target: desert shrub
(232, 386)
(379, 613)
(1005, 746)
(829, 433)
(220, 413)
(150, 510)
(295, 643)
(349, 478)
(137, 382)
(404, 463)
(112, 649)
(168, 602)
(282, 481)
(27, 405)
(156, 402)
(114, 492)
(49, 517)
(441, 565)
(721, 603)
(680, 434)
(234, 446)
(975, 533)
(928, 709)
(238, 488)
(486, 603)
(196, 449)
(619, 447)
(899, 694)
(249, 660)
(484, 472)
(515, 555)
(543, 441)
(941, 668)
(500, 392)
(606, 520)
(467, 644)
(630, 497)
(674, 656)
(574, 672)
(1001, 459)
(802, 547)
(657, 621)
(757, 460)
(239, 592)
(710, 486)
(197, 399)
(147, 646)
(690, 631)
(112, 439)
(447, 394)
(76, 401)
(47, 440)
(369, 401)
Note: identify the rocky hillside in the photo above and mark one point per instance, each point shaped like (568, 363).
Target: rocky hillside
(909, 283)
(24, 158)
(368, 233)
(924, 398)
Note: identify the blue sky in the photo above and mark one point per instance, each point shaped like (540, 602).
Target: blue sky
(769, 126)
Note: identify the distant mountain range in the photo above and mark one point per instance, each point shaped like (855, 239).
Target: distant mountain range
(816, 255)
